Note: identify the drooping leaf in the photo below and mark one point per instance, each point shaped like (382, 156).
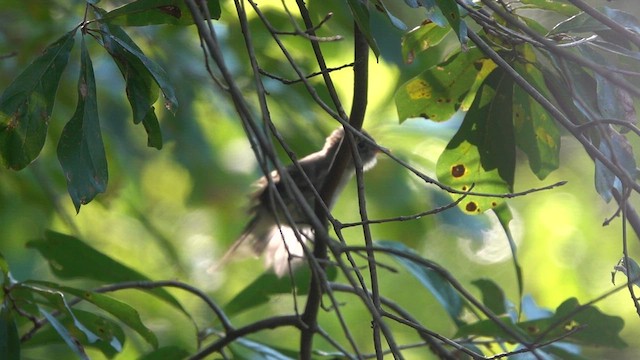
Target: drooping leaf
(260, 291)
(122, 311)
(111, 335)
(438, 93)
(536, 133)
(360, 12)
(632, 271)
(9, 338)
(69, 257)
(141, 89)
(481, 155)
(440, 288)
(451, 12)
(65, 335)
(159, 74)
(380, 6)
(433, 11)
(80, 149)
(157, 12)
(421, 39)
(26, 105)
(492, 296)
(57, 300)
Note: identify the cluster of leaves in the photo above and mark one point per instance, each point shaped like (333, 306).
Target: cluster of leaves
(26, 105)
(501, 115)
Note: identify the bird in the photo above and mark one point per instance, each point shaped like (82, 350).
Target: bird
(271, 234)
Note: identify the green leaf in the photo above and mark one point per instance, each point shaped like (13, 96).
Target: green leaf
(4, 267)
(492, 296)
(111, 336)
(488, 328)
(588, 326)
(536, 133)
(157, 12)
(380, 6)
(438, 93)
(25, 106)
(451, 12)
(166, 352)
(632, 272)
(422, 38)
(117, 308)
(142, 91)
(438, 286)
(159, 75)
(261, 290)
(152, 127)
(360, 12)
(252, 350)
(71, 258)
(80, 149)
(9, 338)
(481, 155)
(65, 335)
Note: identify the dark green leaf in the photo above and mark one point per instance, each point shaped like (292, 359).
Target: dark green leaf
(111, 336)
(431, 280)
(152, 127)
(268, 284)
(9, 338)
(582, 325)
(166, 352)
(117, 308)
(536, 133)
(158, 73)
(438, 93)
(421, 39)
(488, 328)
(632, 271)
(71, 341)
(142, 91)
(71, 258)
(492, 296)
(156, 12)
(451, 12)
(253, 350)
(4, 267)
(80, 149)
(481, 155)
(360, 12)
(380, 6)
(25, 106)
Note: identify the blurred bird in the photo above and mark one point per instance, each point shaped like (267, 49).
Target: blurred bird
(272, 234)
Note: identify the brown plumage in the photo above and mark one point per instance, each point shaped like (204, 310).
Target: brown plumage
(279, 244)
